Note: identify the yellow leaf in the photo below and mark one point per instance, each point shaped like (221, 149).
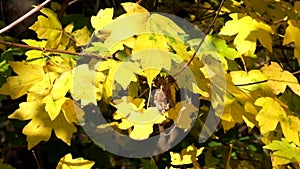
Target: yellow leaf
(62, 85)
(151, 74)
(67, 162)
(48, 28)
(28, 76)
(248, 31)
(187, 156)
(81, 36)
(44, 86)
(40, 127)
(72, 112)
(35, 56)
(53, 107)
(291, 129)
(182, 114)
(84, 87)
(149, 58)
(125, 73)
(270, 114)
(292, 34)
(131, 7)
(141, 131)
(104, 16)
(278, 79)
(249, 81)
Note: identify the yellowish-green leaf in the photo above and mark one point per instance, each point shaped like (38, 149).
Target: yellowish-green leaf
(49, 28)
(292, 34)
(248, 31)
(104, 16)
(278, 79)
(67, 162)
(28, 75)
(283, 152)
(291, 129)
(131, 8)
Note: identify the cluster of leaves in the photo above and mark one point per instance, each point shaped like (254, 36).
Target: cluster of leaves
(257, 48)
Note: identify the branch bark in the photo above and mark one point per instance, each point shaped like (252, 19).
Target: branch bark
(22, 18)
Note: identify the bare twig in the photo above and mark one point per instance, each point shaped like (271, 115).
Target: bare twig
(202, 40)
(63, 9)
(22, 18)
(297, 72)
(92, 55)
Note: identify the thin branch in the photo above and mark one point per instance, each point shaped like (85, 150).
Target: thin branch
(202, 40)
(22, 18)
(297, 72)
(92, 55)
(63, 9)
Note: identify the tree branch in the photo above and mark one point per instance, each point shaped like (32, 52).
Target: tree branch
(202, 40)
(22, 18)
(51, 50)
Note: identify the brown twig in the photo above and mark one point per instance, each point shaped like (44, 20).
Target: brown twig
(63, 9)
(22, 18)
(11, 44)
(202, 40)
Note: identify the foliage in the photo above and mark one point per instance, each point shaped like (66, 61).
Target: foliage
(255, 42)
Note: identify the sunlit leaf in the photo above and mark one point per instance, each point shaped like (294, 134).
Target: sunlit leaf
(28, 75)
(49, 28)
(248, 31)
(67, 162)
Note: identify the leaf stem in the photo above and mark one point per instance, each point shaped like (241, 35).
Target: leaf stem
(202, 40)
(22, 18)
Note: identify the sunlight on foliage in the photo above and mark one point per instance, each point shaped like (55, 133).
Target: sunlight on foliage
(67, 162)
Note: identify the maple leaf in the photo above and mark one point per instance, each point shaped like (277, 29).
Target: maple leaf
(134, 115)
(270, 114)
(40, 126)
(248, 31)
(187, 156)
(283, 152)
(35, 56)
(86, 86)
(81, 36)
(182, 114)
(67, 162)
(149, 58)
(48, 28)
(250, 81)
(279, 79)
(125, 73)
(292, 34)
(28, 75)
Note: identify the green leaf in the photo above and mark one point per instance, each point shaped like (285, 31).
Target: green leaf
(283, 152)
